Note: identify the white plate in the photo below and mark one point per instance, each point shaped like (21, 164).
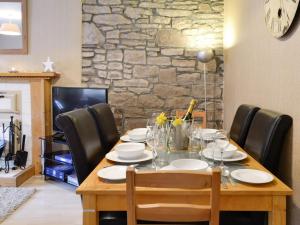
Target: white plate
(208, 131)
(207, 134)
(138, 134)
(252, 176)
(227, 153)
(189, 164)
(113, 156)
(126, 138)
(237, 156)
(113, 173)
(169, 167)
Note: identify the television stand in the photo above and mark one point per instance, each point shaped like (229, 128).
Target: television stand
(59, 136)
(57, 163)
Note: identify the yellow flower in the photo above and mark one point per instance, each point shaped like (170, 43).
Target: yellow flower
(177, 122)
(161, 119)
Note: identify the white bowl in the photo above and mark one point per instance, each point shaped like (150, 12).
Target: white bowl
(130, 150)
(208, 134)
(189, 164)
(228, 151)
(208, 131)
(137, 134)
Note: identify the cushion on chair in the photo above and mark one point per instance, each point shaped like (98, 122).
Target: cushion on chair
(82, 137)
(106, 125)
(241, 123)
(266, 137)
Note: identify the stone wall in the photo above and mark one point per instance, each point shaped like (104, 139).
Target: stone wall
(145, 53)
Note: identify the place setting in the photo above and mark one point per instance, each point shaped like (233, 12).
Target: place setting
(186, 164)
(137, 135)
(127, 154)
(219, 150)
(113, 173)
(206, 134)
(230, 153)
(252, 176)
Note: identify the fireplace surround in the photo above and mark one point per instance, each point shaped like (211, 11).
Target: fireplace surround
(37, 116)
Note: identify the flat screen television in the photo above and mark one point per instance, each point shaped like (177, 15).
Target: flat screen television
(65, 99)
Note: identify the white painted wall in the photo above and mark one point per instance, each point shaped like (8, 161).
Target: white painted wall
(55, 31)
(264, 71)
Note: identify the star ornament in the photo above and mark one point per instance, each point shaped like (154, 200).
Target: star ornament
(48, 65)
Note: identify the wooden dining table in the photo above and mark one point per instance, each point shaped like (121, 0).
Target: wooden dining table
(99, 195)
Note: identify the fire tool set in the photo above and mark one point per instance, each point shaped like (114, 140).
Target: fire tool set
(13, 159)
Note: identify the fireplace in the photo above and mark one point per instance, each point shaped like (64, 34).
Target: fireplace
(32, 107)
(15, 101)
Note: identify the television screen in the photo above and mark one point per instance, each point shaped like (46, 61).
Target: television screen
(65, 99)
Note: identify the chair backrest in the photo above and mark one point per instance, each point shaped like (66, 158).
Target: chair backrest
(241, 123)
(266, 137)
(196, 114)
(82, 137)
(171, 211)
(106, 125)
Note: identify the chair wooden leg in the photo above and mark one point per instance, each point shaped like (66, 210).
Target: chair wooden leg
(278, 215)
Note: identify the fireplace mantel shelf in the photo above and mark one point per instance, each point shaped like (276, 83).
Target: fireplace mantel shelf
(25, 75)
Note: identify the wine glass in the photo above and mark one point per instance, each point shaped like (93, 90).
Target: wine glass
(208, 142)
(161, 142)
(193, 134)
(222, 141)
(152, 143)
(152, 119)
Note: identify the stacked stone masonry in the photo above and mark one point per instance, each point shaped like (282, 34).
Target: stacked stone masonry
(144, 51)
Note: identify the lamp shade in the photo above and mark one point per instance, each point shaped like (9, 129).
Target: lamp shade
(10, 29)
(206, 55)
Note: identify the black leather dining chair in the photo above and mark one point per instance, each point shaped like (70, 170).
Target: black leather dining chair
(106, 125)
(264, 142)
(87, 151)
(266, 137)
(80, 131)
(241, 123)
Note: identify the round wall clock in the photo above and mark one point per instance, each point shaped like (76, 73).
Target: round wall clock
(279, 15)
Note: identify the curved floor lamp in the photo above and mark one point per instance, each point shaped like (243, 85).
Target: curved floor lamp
(205, 56)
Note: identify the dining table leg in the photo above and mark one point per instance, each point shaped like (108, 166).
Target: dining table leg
(90, 213)
(278, 214)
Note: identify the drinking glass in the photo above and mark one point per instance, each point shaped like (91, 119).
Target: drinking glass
(152, 119)
(161, 144)
(193, 135)
(150, 140)
(222, 142)
(208, 142)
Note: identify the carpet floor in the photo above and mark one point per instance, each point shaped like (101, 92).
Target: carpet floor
(11, 198)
